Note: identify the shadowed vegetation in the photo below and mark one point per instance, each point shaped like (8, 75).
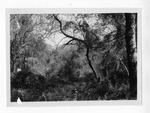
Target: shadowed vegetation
(67, 57)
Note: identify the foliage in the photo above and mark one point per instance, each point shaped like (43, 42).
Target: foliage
(92, 64)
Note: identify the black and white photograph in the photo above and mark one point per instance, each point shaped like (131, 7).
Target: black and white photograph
(73, 56)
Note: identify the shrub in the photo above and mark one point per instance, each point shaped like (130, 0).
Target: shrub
(27, 80)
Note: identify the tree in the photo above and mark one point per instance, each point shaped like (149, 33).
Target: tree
(130, 19)
(27, 32)
(126, 41)
(20, 26)
(85, 42)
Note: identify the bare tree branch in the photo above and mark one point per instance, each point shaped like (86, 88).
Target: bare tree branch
(123, 64)
(60, 42)
(68, 42)
(69, 36)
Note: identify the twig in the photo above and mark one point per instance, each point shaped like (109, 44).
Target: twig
(123, 64)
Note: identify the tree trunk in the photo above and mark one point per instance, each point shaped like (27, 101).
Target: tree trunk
(130, 54)
(90, 64)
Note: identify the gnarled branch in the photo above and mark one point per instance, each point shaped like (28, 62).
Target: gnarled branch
(82, 41)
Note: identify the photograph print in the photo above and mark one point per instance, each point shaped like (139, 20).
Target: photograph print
(73, 57)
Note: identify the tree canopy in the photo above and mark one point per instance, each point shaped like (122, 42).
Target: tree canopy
(83, 56)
